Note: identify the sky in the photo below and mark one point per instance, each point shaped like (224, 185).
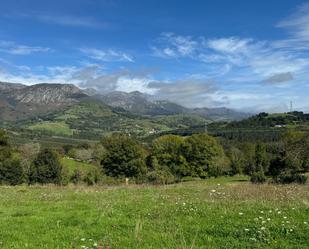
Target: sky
(246, 55)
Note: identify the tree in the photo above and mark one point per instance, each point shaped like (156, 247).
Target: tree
(205, 156)
(248, 150)
(27, 154)
(236, 157)
(11, 171)
(123, 157)
(46, 168)
(261, 158)
(168, 153)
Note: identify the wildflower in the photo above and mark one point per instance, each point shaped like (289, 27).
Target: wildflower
(213, 190)
(262, 212)
(279, 212)
(82, 239)
(263, 228)
(263, 222)
(285, 217)
(305, 222)
(240, 213)
(268, 219)
(95, 244)
(247, 230)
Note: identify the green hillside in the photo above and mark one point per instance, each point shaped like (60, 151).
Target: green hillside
(93, 119)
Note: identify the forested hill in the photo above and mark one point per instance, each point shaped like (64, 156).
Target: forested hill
(265, 120)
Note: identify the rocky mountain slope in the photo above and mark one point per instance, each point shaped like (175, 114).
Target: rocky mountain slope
(18, 101)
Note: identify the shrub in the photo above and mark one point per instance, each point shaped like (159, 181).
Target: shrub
(161, 177)
(46, 168)
(288, 178)
(258, 177)
(11, 172)
(92, 177)
(76, 177)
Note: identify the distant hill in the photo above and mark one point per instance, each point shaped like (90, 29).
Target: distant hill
(142, 104)
(92, 119)
(276, 120)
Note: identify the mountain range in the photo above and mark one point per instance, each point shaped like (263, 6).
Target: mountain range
(18, 101)
(69, 110)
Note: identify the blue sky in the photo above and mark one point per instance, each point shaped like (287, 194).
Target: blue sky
(248, 55)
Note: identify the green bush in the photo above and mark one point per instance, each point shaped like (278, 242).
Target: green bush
(76, 177)
(92, 177)
(258, 177)
(46, 168)
(161, 177)
(11, 172)
(288, 178)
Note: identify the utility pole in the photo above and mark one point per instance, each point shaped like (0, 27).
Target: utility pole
(291, 106)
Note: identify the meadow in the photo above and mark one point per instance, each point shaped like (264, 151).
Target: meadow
(215, 213)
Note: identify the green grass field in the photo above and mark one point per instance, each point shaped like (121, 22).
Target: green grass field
(58, 128)
(216, 213)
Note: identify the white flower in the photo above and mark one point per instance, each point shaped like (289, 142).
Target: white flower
(305, 222)
(213, 190)
(284, 217)
(268, 219)
(240, 213)
(262, 228)
(247, 230)
(82, 239)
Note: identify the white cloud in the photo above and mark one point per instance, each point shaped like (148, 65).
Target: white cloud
(229, 45)
(17, 49)
(106, 55)
(298, 23)
(171, 45)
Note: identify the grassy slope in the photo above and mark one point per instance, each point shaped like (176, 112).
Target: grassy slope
(91, 119)
(200, 214)
(71, 165)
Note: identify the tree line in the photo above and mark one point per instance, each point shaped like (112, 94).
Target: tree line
(167, 159)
